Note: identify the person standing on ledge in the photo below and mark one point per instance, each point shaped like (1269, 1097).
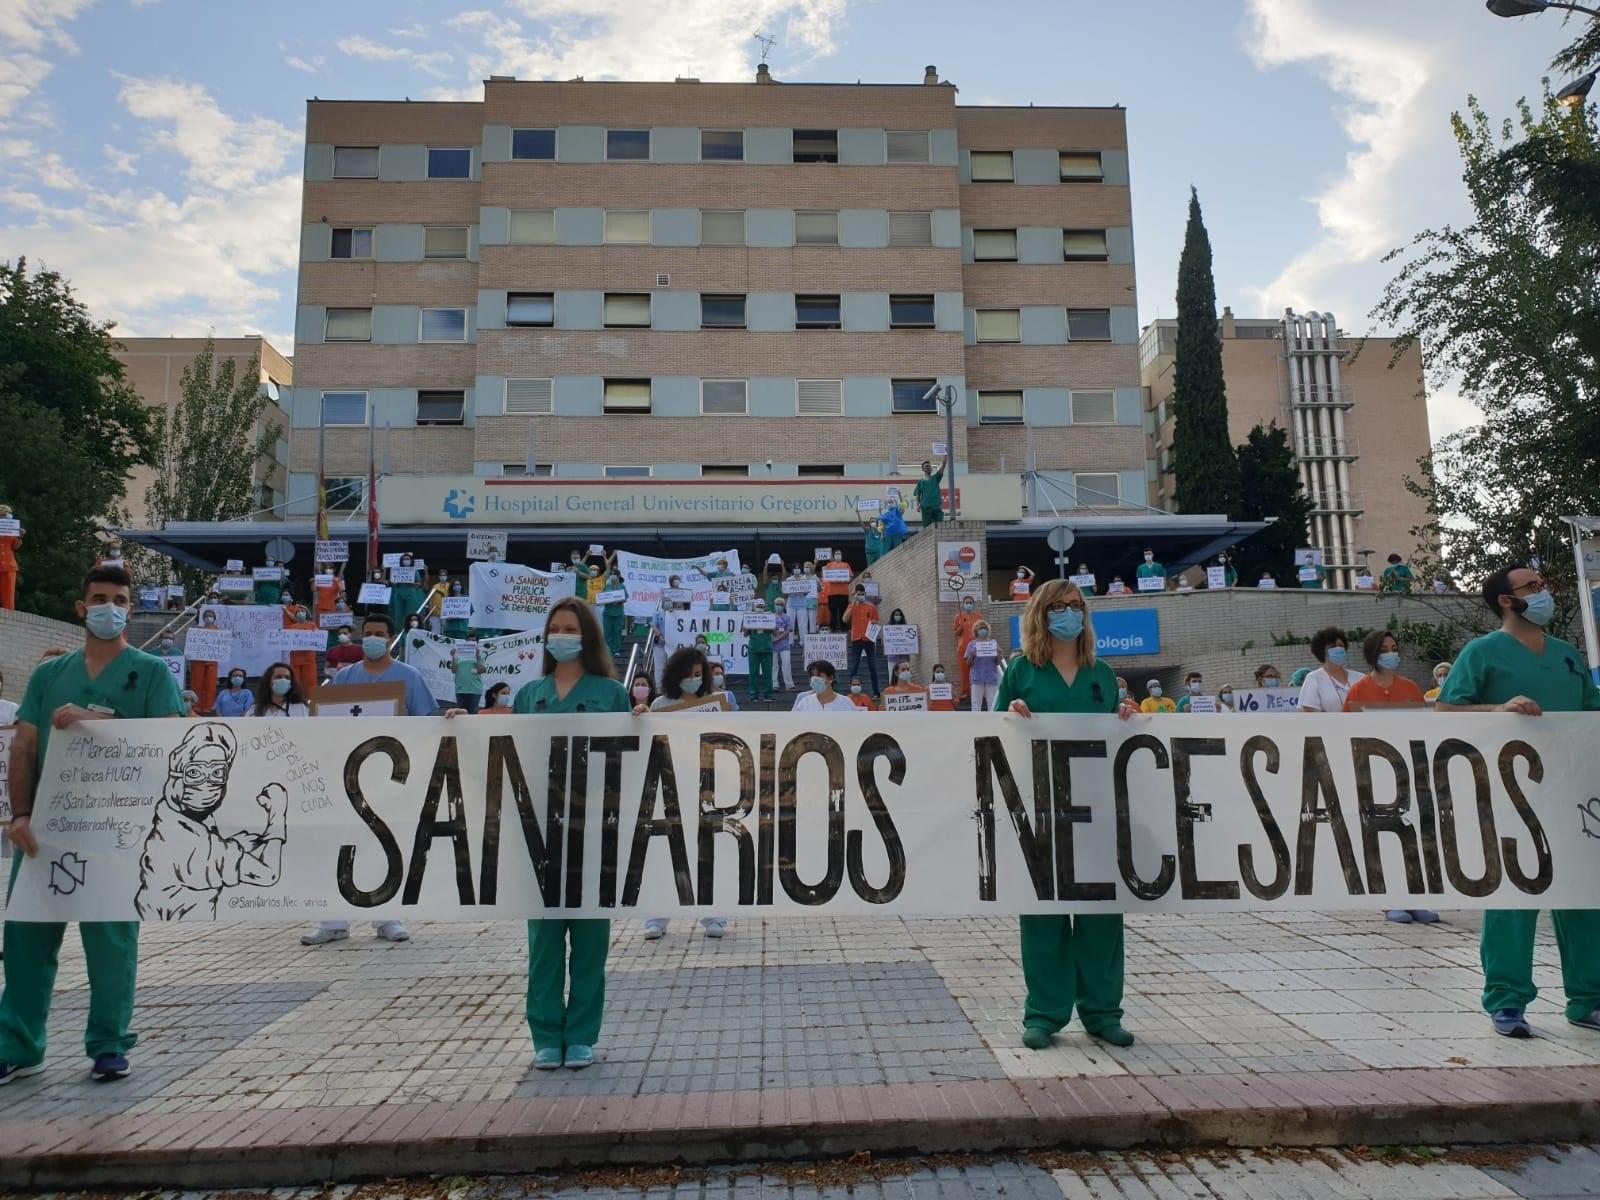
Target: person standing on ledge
(1519, 668)
(927, 492)
(1151, 569)
(1396, 576)
(10, 543)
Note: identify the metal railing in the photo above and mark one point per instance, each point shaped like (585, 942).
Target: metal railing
(1327, 447)
(1334, 502)
(1325, 397)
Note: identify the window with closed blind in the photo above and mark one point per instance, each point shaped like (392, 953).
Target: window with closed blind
(626, 472)
(530, 309)
(1089, 324)
(819, 397)
(444, 241)
(999, 325)
(722, 227)
(816, 312)
(909, 146)
(441, 407)
(1081, 166)
(911, 311)
(721, 311)
(1094, 408)
(355, 162)
(994, 245)
(535, 227)
(627, 309)
(816, 145)
(722, 145)
(344, 408)
(724, 397)
(911, 229)
(627, 225)
(991, 166)
(627, 396)
(816, 228)
(1083, 245)
(1000, 408)
(1096, 490)
(624, 145)
(529, 397)
(348, 325)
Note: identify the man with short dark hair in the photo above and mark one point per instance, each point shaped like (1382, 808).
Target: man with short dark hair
(927, 492)
(1519, 668)
(104, 680)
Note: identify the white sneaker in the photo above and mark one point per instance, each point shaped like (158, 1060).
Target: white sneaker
(655, 927)
(715, 926)
(392, 931)
(321, 937)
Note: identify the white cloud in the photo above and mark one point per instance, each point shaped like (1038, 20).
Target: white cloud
(415, 30)
(309, 66)
(119, 162)
(220, 152)
(28, 28)
(433, 63)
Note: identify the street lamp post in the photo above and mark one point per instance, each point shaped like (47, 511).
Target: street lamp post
(1528, 8)
(946, 396)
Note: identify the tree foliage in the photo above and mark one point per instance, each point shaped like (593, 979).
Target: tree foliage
(74, 427)
(1508, 311)
(1270, 490)
(1205, 470)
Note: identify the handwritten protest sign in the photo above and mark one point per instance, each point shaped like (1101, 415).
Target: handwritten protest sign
(287, 641)
(485, 544)
(916, 701)
(373, 593)
(208, 645)
(647, 578)
(332, 552)
(901, 641)
(827, 647)
(725, 631)
(508, 596)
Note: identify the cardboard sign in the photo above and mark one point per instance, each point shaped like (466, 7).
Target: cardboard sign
(484, 544)
(1152, 583)
(1266, 583)
(762, 620)
(916, 701)
(941, 691)
(717, 702)
(596, 549)
(466, 650)
(800, 587)
(234, 566)
(456, 608)
(336, 620)
(392, 560)
(7, 732)
(236, 584)
(404, 575)
(374, 593)
(1266, 700)
(358, 700)
(1216, 577)
(872, 590)
(868, 506)
(986, 649)
(332, 552)
(1307, 574)
(901, 641)
(208, 645)
(1082, 582)
(836, 574)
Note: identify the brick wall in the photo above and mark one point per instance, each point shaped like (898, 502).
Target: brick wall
(910, 577)
(23, 638)
(820, 269)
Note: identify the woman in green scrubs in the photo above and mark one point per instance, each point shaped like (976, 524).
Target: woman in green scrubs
(1067, 961)
(565, 1017)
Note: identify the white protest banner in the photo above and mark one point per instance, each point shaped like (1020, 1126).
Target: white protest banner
(827, 647)
(916, 701)
(251, 625)
(150, 597)
(208, 645)
(1306, 574)
(485, 544)
(723, 630)
(1266, 583)
(508, 596)
(961, 565)
(901, 641)
(762, 620)
(287, 641)
(740, 588)
(1082, 582)
(820, 815)
(516, 658)
(234, 566)
(373, 593)
(941, 691)
(1152, 583)
(7, 732)
(1308, 555)
(336, 620)
(392, 560)
(332, 552)
(10, 527)
(680, 596)
(646, 578)
(836, 574)
(323, 580)
(1216, 577)
(235, 584)
(403, 575)
(597, 549)
(868, 505)
(986, 649)
(456, 608)
(800, 587)
(615, 596)
(939, 449)
(266, 574)
(1266, 700)
(1117, 588)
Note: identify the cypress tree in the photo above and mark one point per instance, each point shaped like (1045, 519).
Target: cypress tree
(1270, 490)
(1203, 462)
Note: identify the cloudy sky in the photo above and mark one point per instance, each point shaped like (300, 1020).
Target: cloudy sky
(150, 149)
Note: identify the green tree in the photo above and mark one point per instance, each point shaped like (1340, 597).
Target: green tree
(1203, 464)
(1508, 311)
(74, 428)
(1270, 490)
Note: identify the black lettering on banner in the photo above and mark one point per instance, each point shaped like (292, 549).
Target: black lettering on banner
(879, 745)
(658, 777)
(1187, 812)
(577, 806)
(1145, 889)
(1067, 814)
(1490, 879)
(788, 771)
(394, 864)
(1032, 838)
(1378, 818)
(555, 818)
(504, 766)
(1254, 747)
(1540, 882)
(766, 833)
(1319, 805)
(1427, 818)
(445, 780)
(613, 748)
(729, 820)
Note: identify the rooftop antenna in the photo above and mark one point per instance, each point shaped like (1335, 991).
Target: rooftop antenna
(767, 41)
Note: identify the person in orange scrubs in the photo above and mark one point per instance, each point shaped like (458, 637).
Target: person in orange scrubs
(302, 663)
(966, 622)
(9, 544)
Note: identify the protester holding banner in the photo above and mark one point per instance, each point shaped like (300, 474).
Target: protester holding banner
(1384, 685)
(10, 543)
(946, 701)
(865, 626)
(456, 627)
(406, 593)
(1225, 698)
(836, 591)
(326, 596)
(1519, 668)
(613, 615)
(872, 537)
(565, 1020)
(302, 662)
(982, 659)
(761, 645)
(1022, 584)
(269, 587)
(1154, 701)
(467, 666)
(1326, 688)
(278, 694)
(1067, 961)
(772, 581)
(642, 690)
(106, 679)
(903, 695)
(805, 606)
(437, 593)
(895, 661)
(234, 701)
(894, 524)
(783, 645)
(203, 675)
(1230, 577)
(1193, 687)
(964, 627)
(1151, 569)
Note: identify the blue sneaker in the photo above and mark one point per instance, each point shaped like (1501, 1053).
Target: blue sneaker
(9, 1071)
(1399, 916)
(1424, 916)
(1509, 1022)
(1592, 1021)
(108, 1067)
(546, 1060)
(579, 1057)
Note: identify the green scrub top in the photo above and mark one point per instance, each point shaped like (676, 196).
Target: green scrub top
(134, 684)
(1496, 667)
(927, 491)
(591, 694)
(1148, 570)
(773, 594)
(469, 677)
(1093, 690)
(268, 591)
(1314, 585)
(1396, 578)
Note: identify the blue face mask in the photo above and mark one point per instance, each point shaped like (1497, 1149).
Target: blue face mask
(106, 621)
(281, 686)
(564, 647)
(691, 685)
(819, 683)
(1338, 656)
(1389, 660)
(1538, 608)
(374, 648)
(1272, 681)
(1066, 624)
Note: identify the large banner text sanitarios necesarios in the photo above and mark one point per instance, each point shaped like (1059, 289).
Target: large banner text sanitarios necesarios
(781, 814)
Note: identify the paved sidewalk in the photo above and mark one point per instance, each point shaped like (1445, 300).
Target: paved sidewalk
(265, 1062)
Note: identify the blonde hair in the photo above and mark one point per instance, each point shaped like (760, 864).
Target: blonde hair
(1038, 644)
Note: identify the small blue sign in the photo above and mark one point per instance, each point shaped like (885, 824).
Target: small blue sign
(1118, 632)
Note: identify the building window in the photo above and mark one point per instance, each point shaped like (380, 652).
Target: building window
(722, 227)
(722, 145)
(449, 163)
(444, 241)
(348, 325)
(1089, 324)
(816, 312)
(707, 471)
(528, 397)
(625, 472)
(352, 243)
(724, 397)
(911, 395)
(1096, 490)
(519, 470)
(1000, 408)
(816, 228)
(1094, 408)
(914, 311)
(441, 408)
(819, 397)
(355, 162)
(344, 408)
(624, 225)
(908, 147)
(627, 310)
(992, 166)
(911, 229)
(535, 144)
(994, 245)
(535, 228)
(999, 325)
(443, 325)
(627, 396)
(1081, 166)
(344, 492)
(821, 471)
(627, 145)
(721, 312)
(816, 145)
(530, 308)
(1084, 245)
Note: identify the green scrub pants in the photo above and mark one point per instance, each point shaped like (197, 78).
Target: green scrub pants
(611, 623)
(111, 951)
(761, 674)
(1506, 947)
(932, 516)
(1069, 960)
(559, 1018)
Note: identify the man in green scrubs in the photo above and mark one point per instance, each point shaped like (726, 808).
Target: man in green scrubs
(1151, 569)
(927, 492)
(106, 679)
(1519, 668)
